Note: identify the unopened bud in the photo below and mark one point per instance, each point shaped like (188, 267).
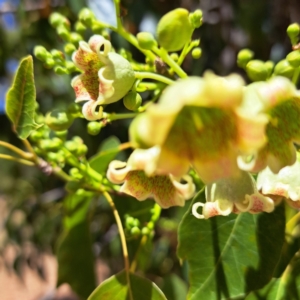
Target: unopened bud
(59, 120)
(293, 32)
(61, 70)
(196, 18)
(41, 53)
(75, 38)
(256, 70)
(80, 27)
(243, 57)
(63, 32)
(174, 29)
(146, 40)
(132, 100)
(69, 48)
(86, 16)
(57, 19)
(294, 58)
(93, 128)
(283, 68)
(196, 53)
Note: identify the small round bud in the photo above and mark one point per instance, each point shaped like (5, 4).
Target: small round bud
(49, 63)
(269, 66)
(61, 134)
(136, 222)
(93, 128)
(41, 53)
(174, 29)
(61, 70)
(63, 32)
(146, 40)
(69, 48)
(135, 231)
(86, 16)
(56, 54)
(132, 101)
(150, 225)
(70, 66)
(196, 53)
(256, 70)
(294, 58)
(75, 173)
(57, 19)
(71, 146)
(80, 27)
(293, 32)
(129, 222)
(82, 150)
(145, 231)
(35, 136)
(243, 57)
(174, 56)
(196, 18)
(75, 38)
(97, 27)
(283, 68)
(50, 145)
(74, 109)
(59, 120)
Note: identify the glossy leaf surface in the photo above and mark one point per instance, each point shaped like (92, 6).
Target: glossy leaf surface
(230, 256)
(117, 288)
(20, 100)
(74, 252)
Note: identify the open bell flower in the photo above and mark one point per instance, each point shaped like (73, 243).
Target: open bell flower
(106, 76)
(283, 185)
(197, 123)
(279, 100)
(232, 195)
(166, 190)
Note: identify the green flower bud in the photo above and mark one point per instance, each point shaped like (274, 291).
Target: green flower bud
(50, 145)
(75, 38)
(145, 231)
(86, 16)
(69, 48)
(56, 19)
(61, 134)
(135, 231)
(129, 222)
(196, 18)
(74, 109)
(136, 223)
(75, 173)
(269, 66)
(80, 27)
(283, 68)
(294, 58)
(132, 101)
(81, 150)
(70, 67)
(63, 32)
(59, 120)
(71, 146)
(97, 27)
(49, 63)
(56, 54)
(256, 70)
(174, 30)
(41, 53)
(174, 56)
(36, 136)
(146, 40)
(243, 57)
(150, 224)
(293, 32)
(61, 70)
(93, 128)
(196, 53)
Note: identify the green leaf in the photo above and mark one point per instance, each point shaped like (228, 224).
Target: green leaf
(286, 287)
(74, 251)
(230, 256)
(174, 287)
(107, 152)
(117, 288)
(20, 100)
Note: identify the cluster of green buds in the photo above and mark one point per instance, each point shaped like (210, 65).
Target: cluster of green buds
(258, 70)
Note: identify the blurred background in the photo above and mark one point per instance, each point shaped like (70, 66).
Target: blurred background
(30, 202)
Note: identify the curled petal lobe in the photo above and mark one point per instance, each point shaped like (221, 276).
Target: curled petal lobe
(117, 171)
(89, 111)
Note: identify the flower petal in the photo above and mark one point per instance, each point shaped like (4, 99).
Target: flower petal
(117, 171)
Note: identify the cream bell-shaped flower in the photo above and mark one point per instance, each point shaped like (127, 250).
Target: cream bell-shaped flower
(283, 185)
(166, 190)
(196, 122)
(279, 101)
(232, 195)
(106, 76)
